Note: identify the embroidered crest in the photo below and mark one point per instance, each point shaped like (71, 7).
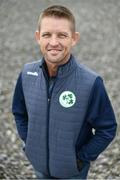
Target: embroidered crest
(67, 99)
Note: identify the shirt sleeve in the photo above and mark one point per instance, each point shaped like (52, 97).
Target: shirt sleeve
(100, 117)
(19, 109)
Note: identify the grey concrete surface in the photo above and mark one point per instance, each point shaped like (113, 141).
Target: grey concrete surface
(98, 22)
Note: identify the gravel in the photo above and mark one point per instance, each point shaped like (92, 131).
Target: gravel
(98, 21)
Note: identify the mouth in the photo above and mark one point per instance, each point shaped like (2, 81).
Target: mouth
(54, 50)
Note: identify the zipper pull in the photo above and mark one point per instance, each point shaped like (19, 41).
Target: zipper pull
(48, 99)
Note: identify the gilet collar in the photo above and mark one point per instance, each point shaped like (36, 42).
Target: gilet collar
(65, 69)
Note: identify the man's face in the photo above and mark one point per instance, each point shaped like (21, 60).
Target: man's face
(56, 39)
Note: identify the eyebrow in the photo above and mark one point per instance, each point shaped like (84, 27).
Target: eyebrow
(65, 33)
(47, 32)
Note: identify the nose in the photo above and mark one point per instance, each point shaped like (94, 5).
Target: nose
(53, 41)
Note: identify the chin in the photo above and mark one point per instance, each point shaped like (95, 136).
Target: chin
(55, 59)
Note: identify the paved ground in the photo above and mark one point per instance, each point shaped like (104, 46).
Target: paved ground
(99, 24)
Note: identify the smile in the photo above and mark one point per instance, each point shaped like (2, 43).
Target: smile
(54, 50)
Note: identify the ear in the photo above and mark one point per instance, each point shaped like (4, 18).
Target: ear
(76, 38)
(37, 36)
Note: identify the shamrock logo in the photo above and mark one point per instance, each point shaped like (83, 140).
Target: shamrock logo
(67, 99)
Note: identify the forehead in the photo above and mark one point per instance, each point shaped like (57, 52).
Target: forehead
(55, 24)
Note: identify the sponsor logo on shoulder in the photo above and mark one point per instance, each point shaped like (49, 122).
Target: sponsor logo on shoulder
(32, 73)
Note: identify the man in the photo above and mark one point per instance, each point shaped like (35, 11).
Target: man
(61, 108)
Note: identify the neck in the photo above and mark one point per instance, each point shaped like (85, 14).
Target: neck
(53, 67)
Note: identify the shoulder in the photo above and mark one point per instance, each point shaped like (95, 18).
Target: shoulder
(87, 74)
(32, 65)
(87, 71)
(83, 69)
(31, 70)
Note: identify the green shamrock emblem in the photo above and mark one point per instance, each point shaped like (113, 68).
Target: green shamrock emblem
(67, 99)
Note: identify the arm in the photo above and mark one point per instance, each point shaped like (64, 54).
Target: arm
(19, 110)
(100, 116)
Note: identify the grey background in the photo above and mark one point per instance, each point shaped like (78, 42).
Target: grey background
(98, 22)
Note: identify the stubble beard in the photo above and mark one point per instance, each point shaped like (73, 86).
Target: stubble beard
(58, 61)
